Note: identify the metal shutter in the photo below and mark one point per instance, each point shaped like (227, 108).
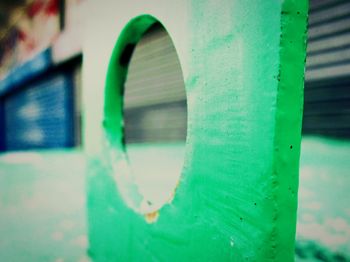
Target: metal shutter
(40, 116)
(155, 99)
(327, 86)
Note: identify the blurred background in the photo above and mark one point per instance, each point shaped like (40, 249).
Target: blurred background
(41, 108)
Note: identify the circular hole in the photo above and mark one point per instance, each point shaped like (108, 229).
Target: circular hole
(155, 118)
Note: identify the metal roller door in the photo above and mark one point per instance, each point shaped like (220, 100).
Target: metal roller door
(327, 86)
(40, 116)
(155, 99)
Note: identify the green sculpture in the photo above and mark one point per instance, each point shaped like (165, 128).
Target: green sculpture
(236, 199)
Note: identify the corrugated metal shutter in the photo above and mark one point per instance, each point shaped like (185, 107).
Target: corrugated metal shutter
(327, 87)
(40, 116)
(155, 99)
